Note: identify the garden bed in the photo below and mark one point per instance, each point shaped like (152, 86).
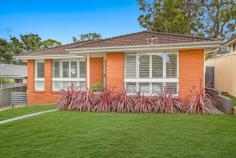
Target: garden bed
(200, 101)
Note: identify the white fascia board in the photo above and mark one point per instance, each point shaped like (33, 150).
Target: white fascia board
(161, 47)
(67, 56)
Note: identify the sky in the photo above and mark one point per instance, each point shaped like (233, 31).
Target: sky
(63, 19)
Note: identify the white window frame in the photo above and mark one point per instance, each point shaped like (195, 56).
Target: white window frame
(68, 79)
(151, 80)
(36, 79)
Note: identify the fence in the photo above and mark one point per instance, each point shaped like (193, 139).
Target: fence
(224, 73)
(18, 98)
(6, 90)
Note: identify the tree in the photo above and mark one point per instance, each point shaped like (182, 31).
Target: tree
(221, 18)
(5, 55)
(30, 42)
(50, 43)
(173, 16)
(212, 18)
(87, 36)
(25, 44)
(194, 10)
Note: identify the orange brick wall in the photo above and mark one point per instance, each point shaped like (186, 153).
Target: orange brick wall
(115, 70)
(40, 97)
(191, 70)
(191, 73)
(96, 70)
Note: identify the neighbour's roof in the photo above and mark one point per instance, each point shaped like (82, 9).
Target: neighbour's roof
(230, 41)
(133, 39)
(13, 71)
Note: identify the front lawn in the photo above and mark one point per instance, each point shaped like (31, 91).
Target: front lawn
(233, 100)
(10, 113)
(81, 134)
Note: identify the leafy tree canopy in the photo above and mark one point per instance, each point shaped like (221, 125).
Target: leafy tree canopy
(212, 18)
(86, 37)
(24, 44)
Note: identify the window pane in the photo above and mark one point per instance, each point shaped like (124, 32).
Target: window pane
(39, 85)
(157, 66)
(144, 66)
(82, 69)
(40, 70)
(75, 83)
(157, 87)
(65, 68)
(171, 87)
(131, 87)
(66, 84)
(130, 66)
(144, 87)
(56, 85)
(171, 66)
(56, 69)
(73, 69)
(82, 85)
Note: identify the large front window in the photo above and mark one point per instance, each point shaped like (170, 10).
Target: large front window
(151, 73)
(67, 73)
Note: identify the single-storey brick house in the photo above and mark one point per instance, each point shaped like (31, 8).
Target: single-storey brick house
(145, 61)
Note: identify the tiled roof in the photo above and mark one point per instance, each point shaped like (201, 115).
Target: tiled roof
(60, 50)
(134, 39)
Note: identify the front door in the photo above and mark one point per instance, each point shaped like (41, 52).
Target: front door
(96, 71)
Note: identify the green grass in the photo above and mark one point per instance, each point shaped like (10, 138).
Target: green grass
(23, 111)
(77, 134)
(233, 100)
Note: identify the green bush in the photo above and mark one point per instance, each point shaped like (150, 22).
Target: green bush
(5, 80)
(97, 87)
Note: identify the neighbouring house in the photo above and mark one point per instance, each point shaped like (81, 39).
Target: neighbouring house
(231, 44)
(145, 61)
(223, 67)
(13, 80)
(14, 73)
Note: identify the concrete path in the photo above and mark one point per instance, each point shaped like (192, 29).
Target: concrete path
(26, 116)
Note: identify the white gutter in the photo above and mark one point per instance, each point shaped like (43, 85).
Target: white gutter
(66, 56)
(189, 45)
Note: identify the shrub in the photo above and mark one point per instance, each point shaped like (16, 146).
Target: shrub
(73, 98)
(142, 103)
(122, 102)
(200, 101)
(166, 102)
(97, 87)
(105, 101)
(66, 97)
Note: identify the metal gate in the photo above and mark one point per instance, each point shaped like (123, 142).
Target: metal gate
(18, 98)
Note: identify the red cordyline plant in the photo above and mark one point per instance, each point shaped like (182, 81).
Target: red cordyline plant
(122, 102)
(74, 98)
(88, 101)
(201, 101)
(142, 103)
(105, 101)
(166, 102)
(66, 98)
